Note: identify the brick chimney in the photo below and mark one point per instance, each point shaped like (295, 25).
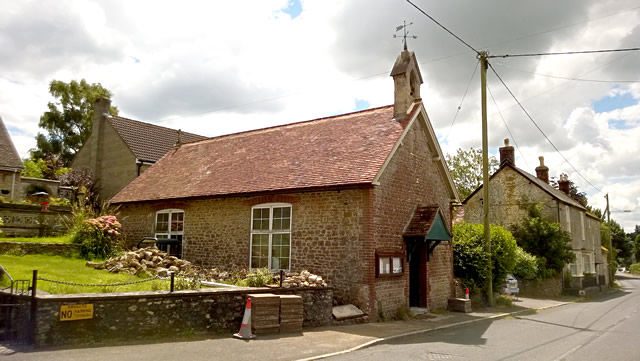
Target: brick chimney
(507, 154)
(407, 80)
(542, 171)
(563, 183)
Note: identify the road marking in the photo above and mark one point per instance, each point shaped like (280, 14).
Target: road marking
(569, 352)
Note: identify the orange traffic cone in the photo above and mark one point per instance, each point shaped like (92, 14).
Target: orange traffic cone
(245, 327)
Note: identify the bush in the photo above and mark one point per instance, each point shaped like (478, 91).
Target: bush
(257, 278)
(98, 237)
(526, 266)
(503, 301)
(545, 240)
(470, 261)
(635, 269)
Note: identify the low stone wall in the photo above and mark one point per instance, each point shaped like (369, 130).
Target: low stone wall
(547, 288)
(22, 248)
(143, 315)
(22, 220)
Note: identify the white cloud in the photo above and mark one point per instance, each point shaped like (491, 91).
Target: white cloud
(220, 67)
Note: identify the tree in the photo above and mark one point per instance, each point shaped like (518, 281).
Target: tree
(574, 193)
(621, 242)
(470, 261)
(68, 121)
(545, 240)
(466, 169)
(636, 245)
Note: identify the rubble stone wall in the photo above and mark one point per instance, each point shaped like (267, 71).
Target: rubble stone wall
(325, 235)
(127, 317)
(22, 248)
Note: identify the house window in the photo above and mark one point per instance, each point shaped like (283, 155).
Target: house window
(586, 263)
(575, 267)
(582, 225)
(170, 224)
(389, 264)
(567, 213)
(271, 236)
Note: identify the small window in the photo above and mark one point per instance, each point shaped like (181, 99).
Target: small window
(271, 236)
(389, 265)
(586, 263)
(170, 230)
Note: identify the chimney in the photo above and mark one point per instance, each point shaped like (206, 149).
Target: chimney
(507, 154)
(563, 183)
(100, 108)
(542, 171)
(407, 80)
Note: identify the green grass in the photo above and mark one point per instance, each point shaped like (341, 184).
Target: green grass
(61, 239)
(71, 270)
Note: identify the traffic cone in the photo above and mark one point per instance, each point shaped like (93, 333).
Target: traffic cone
(245, 327)
(466, 294)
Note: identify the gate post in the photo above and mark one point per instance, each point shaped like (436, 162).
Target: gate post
(34, 309)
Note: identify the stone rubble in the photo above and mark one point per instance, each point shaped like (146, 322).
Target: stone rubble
(156, 262)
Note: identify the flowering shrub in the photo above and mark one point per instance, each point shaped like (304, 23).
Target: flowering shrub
(99, 237)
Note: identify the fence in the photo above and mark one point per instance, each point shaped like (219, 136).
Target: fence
(16, 309)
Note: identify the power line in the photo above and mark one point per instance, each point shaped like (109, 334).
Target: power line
(442, 26)
(568, 78)
(508, 130)
(564, 53)
(462, 101)
(540, 129)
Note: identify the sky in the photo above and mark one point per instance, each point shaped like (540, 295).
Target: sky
(219, 67)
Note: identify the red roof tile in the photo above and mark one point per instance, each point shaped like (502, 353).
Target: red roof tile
(149, 142)
(347, 149)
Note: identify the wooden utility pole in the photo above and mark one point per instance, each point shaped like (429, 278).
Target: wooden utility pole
(485, 169)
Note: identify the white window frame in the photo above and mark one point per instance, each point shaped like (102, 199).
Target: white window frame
(271, 232)
(169, 233)
(577, 264)
(582, 226)
(567, 212)
(589, 261)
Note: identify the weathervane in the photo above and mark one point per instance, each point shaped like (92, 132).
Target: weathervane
(406, 33)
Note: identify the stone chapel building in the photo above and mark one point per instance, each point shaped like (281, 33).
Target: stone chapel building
(362, 199)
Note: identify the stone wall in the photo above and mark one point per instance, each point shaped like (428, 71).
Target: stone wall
(9, 181)
(535, 288)
(412, 178)
(135, 316)
(21, 220)
(325, 236)
(22, 248)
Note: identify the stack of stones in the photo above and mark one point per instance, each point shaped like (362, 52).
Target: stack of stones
(303, 279)
(291, 314)
(150, 260)
(265, 313)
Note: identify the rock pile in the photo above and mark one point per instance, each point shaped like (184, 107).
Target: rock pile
(156, 262)
(303, 279)
(150, 260)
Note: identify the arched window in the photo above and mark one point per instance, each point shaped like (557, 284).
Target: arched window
(271, 236)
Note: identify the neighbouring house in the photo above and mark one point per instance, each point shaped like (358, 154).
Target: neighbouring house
(119, 149)
(511, 188)
(10, 166)
(362, 199)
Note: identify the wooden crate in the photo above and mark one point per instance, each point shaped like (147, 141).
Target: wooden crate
(291, 314)
(265, 313)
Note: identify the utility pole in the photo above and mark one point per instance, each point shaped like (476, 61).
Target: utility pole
(606, 196)
(485, 169)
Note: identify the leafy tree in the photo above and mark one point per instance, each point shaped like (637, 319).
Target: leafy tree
(545, 240)
(574, 193)
(636, 245)
(470, 261)
(466, 169)
(620, 241)
(48, 168)
(82, 180)
(605, 241)
(68, 121)
(34, 168)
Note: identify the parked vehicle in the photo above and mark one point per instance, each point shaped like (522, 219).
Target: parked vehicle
(622, 269)
(510, 286)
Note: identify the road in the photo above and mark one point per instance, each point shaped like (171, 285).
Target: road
(602, 329)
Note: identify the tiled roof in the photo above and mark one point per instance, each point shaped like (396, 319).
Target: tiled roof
(149, 142)
(9, 157)
(347, 149)
(421, 222)
(555, 193)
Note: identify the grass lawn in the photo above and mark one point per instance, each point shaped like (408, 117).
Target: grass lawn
(61, 239)
(71, 270)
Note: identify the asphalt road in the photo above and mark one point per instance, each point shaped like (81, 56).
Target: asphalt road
(604, 329)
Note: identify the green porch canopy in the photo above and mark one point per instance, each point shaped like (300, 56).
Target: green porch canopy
(427, 225)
